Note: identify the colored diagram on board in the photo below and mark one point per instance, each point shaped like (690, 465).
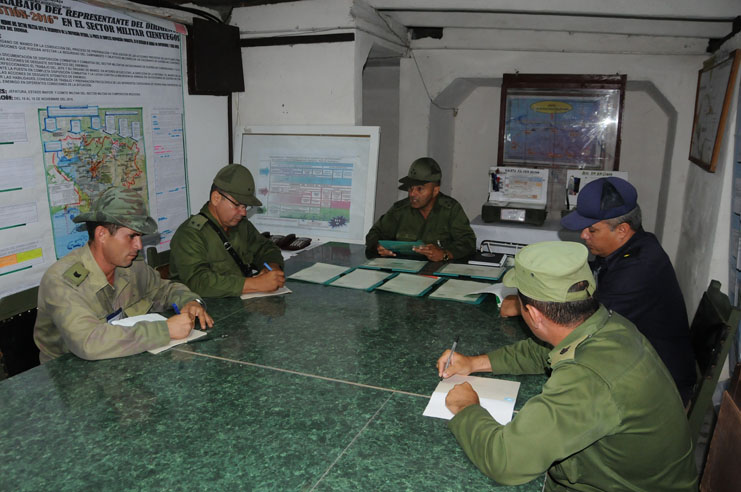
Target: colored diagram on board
(569, 132)
(316, 193)
(87, 149)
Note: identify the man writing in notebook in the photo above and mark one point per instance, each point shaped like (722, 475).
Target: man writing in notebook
(104, 281)
(215, 251)
(609, 417)
(426, 215)
(634, 275)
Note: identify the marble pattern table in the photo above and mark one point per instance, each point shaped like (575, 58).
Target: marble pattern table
(322, 389)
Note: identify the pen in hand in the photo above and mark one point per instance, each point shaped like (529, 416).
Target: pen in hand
(267, 266)
(450, 356)
(175, 308)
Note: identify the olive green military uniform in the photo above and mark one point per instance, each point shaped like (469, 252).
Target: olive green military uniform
(199, 260)
(447, 223)
(75, 299)
(609, 417)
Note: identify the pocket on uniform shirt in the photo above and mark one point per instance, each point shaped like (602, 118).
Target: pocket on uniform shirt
(140, 307)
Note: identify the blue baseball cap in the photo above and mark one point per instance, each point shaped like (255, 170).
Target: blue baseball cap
(603, 198)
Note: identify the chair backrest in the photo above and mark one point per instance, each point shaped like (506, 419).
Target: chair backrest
(723, 467)
(159, 261)
(712, 333)
(734, 386)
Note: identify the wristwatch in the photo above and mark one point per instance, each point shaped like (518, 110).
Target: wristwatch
(446, 256)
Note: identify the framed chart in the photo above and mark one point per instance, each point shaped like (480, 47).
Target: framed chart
(715, 83)
(561, 121)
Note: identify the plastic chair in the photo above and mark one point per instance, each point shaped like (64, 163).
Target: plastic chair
(159, 261)
(712, 332)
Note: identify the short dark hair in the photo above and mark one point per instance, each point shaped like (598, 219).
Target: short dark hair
(565, 313)
(91, 226)
(632, 218)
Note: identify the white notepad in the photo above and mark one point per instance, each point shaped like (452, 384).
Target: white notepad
(277, 292)
(497, 396)
(194, 334)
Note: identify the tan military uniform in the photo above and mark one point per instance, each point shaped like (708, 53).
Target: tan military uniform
(75, 300)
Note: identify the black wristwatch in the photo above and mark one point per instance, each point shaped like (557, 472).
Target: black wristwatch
(446, 256)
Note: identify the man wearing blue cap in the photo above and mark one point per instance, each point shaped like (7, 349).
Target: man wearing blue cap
(608, 418)
(634, 275)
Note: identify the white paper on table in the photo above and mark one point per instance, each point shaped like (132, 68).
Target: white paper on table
(282, 290)
(497, 396)
(499, 290)
(194, 334)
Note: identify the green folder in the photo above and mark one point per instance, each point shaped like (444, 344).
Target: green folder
(401, 247)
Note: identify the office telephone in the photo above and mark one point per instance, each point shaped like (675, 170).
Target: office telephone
(289, 242)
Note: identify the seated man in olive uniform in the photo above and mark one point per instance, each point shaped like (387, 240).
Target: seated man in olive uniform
(199, 256)
(608, 418)
(425, 215)
(103, 281)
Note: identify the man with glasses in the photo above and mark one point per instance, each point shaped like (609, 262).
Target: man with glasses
(216, 251)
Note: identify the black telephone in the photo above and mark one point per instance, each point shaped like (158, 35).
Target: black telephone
(289, 242)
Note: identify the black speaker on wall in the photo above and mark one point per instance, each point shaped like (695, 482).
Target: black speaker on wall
(214, 59)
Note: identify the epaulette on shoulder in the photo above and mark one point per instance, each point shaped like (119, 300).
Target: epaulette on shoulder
(568, 352)
(197, 221)
(76, 274)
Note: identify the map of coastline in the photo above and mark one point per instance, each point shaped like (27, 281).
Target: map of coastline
(86, 150)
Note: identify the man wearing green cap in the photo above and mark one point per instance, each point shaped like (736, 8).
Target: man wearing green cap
(215, 251)
(425, 215)
(609, 417)
(103, 281)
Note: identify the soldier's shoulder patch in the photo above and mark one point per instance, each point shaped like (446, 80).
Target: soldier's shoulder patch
(568, 352)
(197, 222)
(76, 274)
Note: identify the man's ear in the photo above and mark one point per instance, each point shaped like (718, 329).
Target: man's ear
(101, 232)
(435, 190)
(623, 229)
(214, 198)
(535, 314)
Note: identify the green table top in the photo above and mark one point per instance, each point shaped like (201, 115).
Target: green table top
(321, 389)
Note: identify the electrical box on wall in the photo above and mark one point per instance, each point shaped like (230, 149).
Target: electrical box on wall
(214, 59)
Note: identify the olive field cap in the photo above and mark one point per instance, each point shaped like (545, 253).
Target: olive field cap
(546, 271)
(603, 198)
(237, 180)
(120, 206)
(423, 170)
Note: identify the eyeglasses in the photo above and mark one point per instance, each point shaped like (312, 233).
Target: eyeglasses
(240, 206)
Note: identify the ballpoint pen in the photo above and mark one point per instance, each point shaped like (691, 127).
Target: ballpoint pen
(175, 308)
(450, 356)
(267, 266)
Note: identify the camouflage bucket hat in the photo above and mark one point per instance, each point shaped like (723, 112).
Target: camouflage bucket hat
(120, 206)
(545, 271)
(237, 180)
(423, 170)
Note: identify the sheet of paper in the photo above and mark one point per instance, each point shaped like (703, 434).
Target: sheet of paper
(497, 396)
(408, 284)
(397, 264)
(475, 271)
(194, 334)
(459, 290)
(278, 292)
(361, 279)
(319, 273)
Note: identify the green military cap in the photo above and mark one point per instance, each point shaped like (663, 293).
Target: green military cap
(423, 170)
(545, 271)
(120, 206)
(237, 180)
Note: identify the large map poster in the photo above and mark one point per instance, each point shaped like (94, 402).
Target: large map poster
(561, 130)
(89, 97)
(86, 149)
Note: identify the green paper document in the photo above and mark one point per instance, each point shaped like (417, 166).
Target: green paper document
(395, 264)
(362, 279)
(401, 247)
(473, 271)
(460, 290)
(409, 285)
(319, 273)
